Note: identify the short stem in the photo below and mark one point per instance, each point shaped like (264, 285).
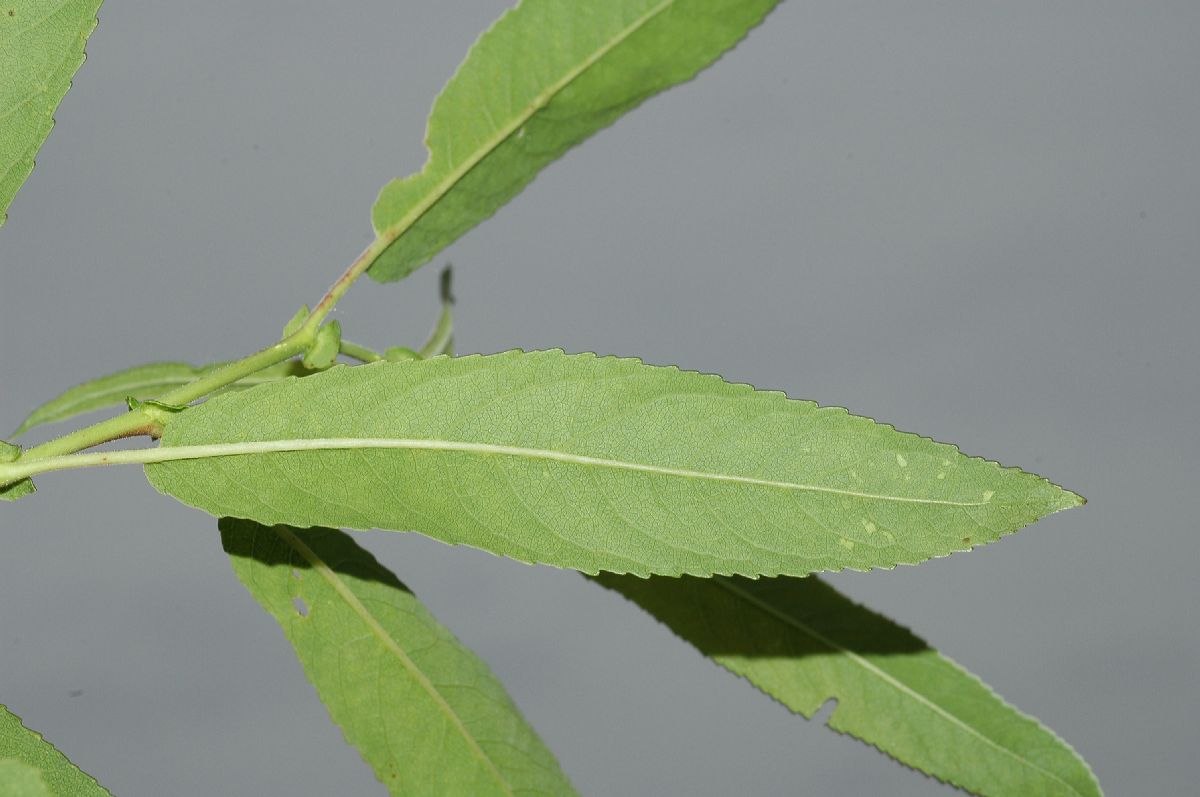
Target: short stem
(439, 339)
(443, 332)
(145, 422)
(360, 353)
(131, 424)
(142, 422)
(339, 288)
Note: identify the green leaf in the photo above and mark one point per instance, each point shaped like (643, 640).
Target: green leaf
(19, 489)
(548, 74)
(23, 752)
(141, 382)
(21, 780)
(592, 463)
(803, 643)
(296, 321)
(421, 708)
(41, 46)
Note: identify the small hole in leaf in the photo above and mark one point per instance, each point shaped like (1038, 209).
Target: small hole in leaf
(296, 574)
(301, 606)
(825, 712)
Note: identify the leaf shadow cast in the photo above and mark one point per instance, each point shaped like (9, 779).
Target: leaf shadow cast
(334, 548)
(780, 617)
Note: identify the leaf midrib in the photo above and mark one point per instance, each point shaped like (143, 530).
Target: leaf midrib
(172, 453)
(344, 591)
(490, 144)
(883, 675)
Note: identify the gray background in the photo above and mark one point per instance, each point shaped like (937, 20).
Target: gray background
(977, 221)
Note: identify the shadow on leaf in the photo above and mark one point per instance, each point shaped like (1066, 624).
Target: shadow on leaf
(766, 617)
(337, 549)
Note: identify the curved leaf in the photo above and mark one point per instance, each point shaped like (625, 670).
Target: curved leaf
(420, 707)
(140, 382)
(803, 643)
(593, 463)
(41, 47)
(28, 761)
(548, 74)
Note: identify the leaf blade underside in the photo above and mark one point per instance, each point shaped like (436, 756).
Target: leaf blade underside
(30, 752)
(803, 643)
(591, 463)
(546, 76)
(418, 705)
(41, 47)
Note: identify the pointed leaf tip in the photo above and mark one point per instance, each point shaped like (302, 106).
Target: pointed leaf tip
(41, 47)
(803, 643)
(593, 463)
(545, 77)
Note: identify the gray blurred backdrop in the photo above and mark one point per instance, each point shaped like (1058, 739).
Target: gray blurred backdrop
(975, 221)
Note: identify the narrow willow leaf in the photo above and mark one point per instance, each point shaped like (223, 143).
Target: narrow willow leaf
(41, 46)
(141, 382)
(593, 463)
(548, 74)
(23, 751)
(803, 643)
(420, 707)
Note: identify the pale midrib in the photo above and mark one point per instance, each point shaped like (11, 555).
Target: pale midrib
(394, 231)
(166, 453)
(885, 677)
(393, 647)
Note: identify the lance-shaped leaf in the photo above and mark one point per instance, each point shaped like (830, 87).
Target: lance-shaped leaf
(803, 643)
(593, 463)
(140, 382)
(421, 708)
(41, 46)
(31, 765)
(548, 74)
